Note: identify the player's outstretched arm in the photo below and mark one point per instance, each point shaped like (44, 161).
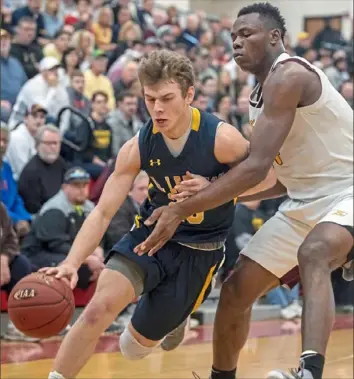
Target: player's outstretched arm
(282, 93)
(232, 148)
(114, 193)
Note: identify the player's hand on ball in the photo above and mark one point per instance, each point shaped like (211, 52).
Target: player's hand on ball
(168, 220)
(65, 271)
(189, 186)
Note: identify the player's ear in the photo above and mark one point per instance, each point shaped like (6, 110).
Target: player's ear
(190, 95)
(275, 36)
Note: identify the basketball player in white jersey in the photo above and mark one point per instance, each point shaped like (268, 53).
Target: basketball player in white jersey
(303, 127)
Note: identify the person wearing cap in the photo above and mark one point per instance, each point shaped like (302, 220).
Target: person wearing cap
(45, 88)
(57, 224)
(13, 76)
(24, 47)
(95, 80)
(8, 189)
(22, 145)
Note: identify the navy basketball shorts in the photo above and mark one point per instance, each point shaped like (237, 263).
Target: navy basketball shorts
(176, 281)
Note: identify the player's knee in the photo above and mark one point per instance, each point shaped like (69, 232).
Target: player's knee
(98, 306)
(314, 253)
(131, 348)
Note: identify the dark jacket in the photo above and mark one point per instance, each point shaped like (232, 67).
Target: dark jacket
(121, 223)
(39, 181)
(8, 240)
(56, 227)
(29, 56)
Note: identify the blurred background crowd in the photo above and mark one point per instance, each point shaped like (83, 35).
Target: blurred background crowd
(70, 98)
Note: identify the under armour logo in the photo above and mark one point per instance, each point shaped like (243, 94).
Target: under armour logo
(157, 162)
(340, 213)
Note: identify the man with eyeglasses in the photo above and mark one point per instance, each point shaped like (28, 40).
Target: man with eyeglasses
(22, 145)
(43, 175)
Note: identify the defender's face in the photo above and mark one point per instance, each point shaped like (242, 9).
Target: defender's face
(166, 104)
(250, 42)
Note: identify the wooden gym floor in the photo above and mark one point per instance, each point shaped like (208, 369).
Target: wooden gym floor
(272, 344)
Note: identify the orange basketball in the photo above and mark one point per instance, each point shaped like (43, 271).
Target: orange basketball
(40, 305)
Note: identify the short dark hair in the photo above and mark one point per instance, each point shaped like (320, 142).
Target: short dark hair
(99, 93)
(122, 95)
(267, 12)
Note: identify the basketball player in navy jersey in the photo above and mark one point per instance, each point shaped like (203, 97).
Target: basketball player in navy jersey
(178, 142)
(303, 127)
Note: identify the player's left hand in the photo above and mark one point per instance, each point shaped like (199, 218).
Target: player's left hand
(168, 221)
(189, 186)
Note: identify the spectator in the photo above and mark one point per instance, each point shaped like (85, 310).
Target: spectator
(128, 75)
(43, 175)
(303, 44)
(14, 267)
(33, 10)
(77, 99)
(57, 225)
(103, 30)
(124, 121)
(5, 16)
(60, 44)
(84, 42)
(346, 90)
(24, 47)
(95, 79)
(13, 76)
(123, 15)
(44, 88)
(223, 109)
(96, 143)
(124, 219)
(84, 15)
(22, 145)
(202, 65)
(144, 15)
(8, 189)
(70, 63)
(210, 88)
(200, 101)
(52, 20)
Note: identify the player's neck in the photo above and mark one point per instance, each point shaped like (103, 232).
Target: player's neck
(261, 76)
(182, 126)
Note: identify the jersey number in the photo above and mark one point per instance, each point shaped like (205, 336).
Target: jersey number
(195, 219)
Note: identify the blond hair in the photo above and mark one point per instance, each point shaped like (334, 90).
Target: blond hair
(168, 66)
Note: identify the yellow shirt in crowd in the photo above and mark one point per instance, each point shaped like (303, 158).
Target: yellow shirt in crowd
(95, 83)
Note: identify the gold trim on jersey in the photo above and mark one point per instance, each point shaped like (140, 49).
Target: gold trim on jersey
(195, 121)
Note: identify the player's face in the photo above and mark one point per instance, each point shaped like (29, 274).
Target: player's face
(166, 104)
(251, 41)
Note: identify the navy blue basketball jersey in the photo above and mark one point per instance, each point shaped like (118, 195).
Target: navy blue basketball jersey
(165, 171)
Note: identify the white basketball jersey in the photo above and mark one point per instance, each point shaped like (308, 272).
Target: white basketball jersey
(316, 158)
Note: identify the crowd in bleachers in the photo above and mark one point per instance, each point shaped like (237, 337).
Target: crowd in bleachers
(70, 98)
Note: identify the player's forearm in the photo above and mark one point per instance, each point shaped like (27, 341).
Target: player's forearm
(88, 238)
(276, 191)
(268, 183)
(244, 176)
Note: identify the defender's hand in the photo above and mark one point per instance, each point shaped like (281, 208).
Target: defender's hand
(189, 186)
(168, 221)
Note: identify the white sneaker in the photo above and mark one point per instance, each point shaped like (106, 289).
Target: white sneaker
(293, 374)
(13, 334)
(289, 313)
